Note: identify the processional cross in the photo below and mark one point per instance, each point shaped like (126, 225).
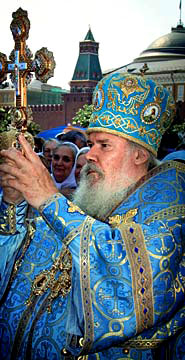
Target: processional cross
(21, 67)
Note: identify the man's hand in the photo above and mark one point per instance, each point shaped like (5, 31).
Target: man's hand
(26, 174)
(12, 196)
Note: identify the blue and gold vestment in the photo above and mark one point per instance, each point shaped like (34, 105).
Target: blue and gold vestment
(127, 274)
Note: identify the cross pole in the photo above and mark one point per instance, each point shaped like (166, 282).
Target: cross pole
(21, 67)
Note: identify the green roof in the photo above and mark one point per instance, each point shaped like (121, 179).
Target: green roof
(89, 36)
(44, 97)
(59, 90)
(87, 68)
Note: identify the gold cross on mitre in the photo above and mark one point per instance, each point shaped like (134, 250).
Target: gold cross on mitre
(21, 67)
(144, 69)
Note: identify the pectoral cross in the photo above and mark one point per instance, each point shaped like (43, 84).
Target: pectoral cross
(21, 67)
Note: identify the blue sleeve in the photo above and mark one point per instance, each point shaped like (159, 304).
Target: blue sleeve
(12, 233)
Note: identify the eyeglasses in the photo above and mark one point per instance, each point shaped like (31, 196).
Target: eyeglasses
(64, 158)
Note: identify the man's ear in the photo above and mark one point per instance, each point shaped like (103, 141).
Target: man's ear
(141, 156)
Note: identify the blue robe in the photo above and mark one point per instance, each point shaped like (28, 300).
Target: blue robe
(110, 289)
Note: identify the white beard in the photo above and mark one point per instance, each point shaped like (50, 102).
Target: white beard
(96, 198)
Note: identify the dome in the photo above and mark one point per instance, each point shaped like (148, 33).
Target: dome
(167, 47)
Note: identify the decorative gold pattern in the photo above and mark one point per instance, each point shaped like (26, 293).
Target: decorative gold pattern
(142, 344)
(133, 108)
(21, 66)
(52, 198)
(141, 275)
(85, 283)
(46, 279)
(163, 167)
(40, 289)
(118, 133)
(21, 329)
(170, 213)
(10, 139)
(9, 225)
(29, 237)
(129, 86)
(46, 64)
(72, 235)
(74, 208)
(116, 220)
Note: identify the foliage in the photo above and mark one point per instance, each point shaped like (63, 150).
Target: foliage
(174, 138)
(177, 130)
(4, 119)
(33, 128)
(83, 115)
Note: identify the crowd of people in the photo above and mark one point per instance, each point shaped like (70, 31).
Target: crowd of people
(99, 272)
(64, 158)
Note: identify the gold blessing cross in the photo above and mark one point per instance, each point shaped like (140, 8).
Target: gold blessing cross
(21, 67)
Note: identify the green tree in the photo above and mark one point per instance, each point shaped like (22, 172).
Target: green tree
(83, 115)
(34, 128)
(5, 120)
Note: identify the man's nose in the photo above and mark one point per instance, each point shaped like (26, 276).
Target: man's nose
(91, 155)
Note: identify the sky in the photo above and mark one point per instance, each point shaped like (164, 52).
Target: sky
(123, 29)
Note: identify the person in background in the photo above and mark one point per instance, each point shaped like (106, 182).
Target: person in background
(102, 277)
(76, 137)
(63, 167)
(80, 162)
(38, 144)
(47, 150)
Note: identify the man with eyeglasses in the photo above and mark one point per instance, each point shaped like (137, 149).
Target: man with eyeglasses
(102, 277)
(48, 147)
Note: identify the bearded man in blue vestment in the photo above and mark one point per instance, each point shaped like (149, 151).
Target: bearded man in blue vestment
(101, 277)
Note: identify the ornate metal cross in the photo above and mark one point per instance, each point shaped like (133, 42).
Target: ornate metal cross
(21, 67)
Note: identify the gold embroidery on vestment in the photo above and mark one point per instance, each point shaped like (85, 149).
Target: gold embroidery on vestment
(85, 283)
(9, 221)
(141, 271)
(116, 220)
(47, 279)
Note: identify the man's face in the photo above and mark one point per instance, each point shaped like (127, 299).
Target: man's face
(81, 161)
(62, 163)
(48, 150)
(111, 155)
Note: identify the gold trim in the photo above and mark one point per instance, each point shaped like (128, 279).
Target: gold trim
(170, 213)
(142, 344)
(128, 137)
(48, 280)
(26, 315)
(116, 220)
(72, 234)
(85, 283)
(51, 199)
(141, 270)
(9, 221)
